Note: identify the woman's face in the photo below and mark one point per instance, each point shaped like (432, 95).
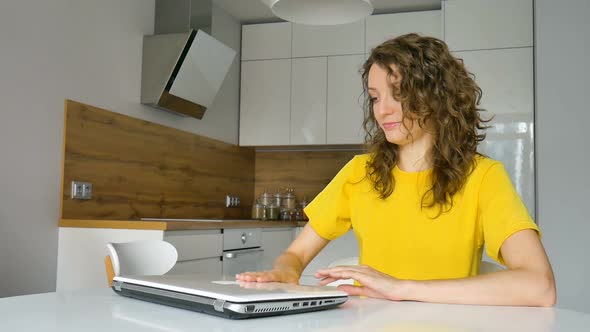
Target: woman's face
(388, 110)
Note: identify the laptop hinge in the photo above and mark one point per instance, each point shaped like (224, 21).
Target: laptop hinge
(117, 285)
(218, 305)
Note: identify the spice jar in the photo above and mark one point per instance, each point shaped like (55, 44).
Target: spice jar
(289, 199)
(257, 211)
(265, 198)
(272, 212)
(277, 198)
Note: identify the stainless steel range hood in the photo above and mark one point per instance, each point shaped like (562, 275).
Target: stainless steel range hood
(182, 72)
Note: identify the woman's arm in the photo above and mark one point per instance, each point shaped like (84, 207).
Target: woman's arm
(289, 266)
(528, 281)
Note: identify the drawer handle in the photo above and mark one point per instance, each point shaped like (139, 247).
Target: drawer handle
(235, 254)
(244, 238)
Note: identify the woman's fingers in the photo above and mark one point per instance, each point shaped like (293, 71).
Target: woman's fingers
(360, 274)
(265, 276)
(326, 281)
(361, 291)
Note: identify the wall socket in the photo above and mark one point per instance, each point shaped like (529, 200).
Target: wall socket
(81, 190)
(232, 200)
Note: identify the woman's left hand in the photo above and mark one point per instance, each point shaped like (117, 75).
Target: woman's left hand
(373, 283)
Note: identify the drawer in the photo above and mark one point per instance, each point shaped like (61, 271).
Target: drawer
(192, 245)
(207, 266)
(241, 238)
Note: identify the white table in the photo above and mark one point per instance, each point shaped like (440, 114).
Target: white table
(103, 310)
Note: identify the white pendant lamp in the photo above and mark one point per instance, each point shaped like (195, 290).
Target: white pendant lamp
(320, 12)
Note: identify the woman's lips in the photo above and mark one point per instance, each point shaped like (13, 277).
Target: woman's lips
(390, 125)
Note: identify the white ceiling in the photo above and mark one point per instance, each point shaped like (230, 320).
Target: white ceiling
(254, 11)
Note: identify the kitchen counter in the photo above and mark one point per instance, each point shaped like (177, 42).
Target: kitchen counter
(169, 225)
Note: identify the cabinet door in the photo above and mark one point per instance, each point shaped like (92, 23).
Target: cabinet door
(192, 245)
(383, 27)
(266, 41)
(505, 77)
(484, 24)
(343, 247)
(308, 101)
(265, 102)
(274, 243)
(345, 100)
(208, 266)
(314, 40)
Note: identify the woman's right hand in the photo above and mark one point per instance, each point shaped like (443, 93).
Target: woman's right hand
(275, 275)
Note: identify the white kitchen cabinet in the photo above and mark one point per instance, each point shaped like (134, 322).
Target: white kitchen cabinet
(207, 267)
(81, 252)
(308, 101)
(505, 77)
(265, 102)
(342, 247)
(484, 24)
(345, 100)
(316, 40)
(274, 242)
(386, 26)
(266, 41)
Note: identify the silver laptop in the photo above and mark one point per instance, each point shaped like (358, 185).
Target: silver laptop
(228, 298)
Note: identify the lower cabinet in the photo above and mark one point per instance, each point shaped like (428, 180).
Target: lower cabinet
(198, 251)
(274, 243)
(207, 266)
(342, 247)
(81, 253)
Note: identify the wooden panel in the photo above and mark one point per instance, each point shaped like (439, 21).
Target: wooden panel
(141, 169)
(307, 171)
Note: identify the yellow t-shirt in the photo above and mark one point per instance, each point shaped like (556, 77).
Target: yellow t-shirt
(398, 237)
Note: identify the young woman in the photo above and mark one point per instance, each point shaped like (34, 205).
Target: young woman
(423, 202)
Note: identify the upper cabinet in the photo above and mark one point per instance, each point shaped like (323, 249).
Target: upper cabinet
(308, 101)
(265, 102)
(505, 77)
(301, 85)
(345, 100)
(484, 24)
(386, 26)
(310, 40)
(266, 41)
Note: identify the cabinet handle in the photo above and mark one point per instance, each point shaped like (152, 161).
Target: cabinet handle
(247, 251)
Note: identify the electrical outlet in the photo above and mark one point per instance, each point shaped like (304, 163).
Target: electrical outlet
(232, 200)
(81, 190)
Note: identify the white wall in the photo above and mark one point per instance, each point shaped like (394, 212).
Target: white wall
(562, 66)
(86, 50)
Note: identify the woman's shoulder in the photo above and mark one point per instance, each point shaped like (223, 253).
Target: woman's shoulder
(356, 168)
(483, 165)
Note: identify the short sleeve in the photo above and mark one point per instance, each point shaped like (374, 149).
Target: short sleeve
(501, 211)
(329, 212)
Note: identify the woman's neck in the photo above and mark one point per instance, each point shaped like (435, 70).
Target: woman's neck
(415, 156)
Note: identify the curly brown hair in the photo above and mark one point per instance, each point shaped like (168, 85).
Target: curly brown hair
(436, 90)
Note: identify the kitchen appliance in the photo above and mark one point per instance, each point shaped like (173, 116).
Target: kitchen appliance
(183, 66)
(242, 251)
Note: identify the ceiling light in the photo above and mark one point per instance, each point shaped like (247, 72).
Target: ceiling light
(320, 12)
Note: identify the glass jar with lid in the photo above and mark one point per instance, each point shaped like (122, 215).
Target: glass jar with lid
(257, 211)
(272, 212)
(289, 199)
(265, 198)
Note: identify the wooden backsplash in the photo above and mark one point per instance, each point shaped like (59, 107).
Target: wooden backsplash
(141, 169)
(307, 172)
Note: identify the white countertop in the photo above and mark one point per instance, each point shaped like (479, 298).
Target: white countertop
(103, 310)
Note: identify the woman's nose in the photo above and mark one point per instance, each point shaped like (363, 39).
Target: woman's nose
(385, 107)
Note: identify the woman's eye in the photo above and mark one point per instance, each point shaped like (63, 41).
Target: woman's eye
(373, 99)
